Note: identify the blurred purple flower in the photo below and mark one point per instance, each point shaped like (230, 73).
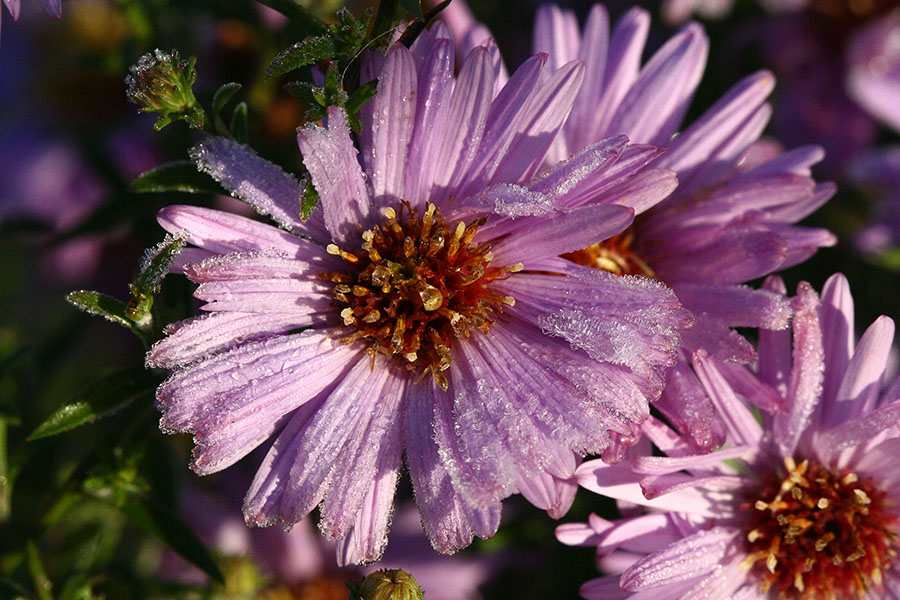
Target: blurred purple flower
(804, 504)
(731, 218)
(878, 173)
(52, 8)
(873, 68)
(429, 329)
(301, 561)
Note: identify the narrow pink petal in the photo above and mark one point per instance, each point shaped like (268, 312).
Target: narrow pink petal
(644, 191)
(503, 114)
(857, 430)
(603, 588)
(736, 305)
(14, 6)
(366, 541)
(301, 475)
(556, 33)
(694, 556)
(467, 112)
(749, 386)
(579, 126)
(549, 493)
(52, 7)
(373, 454)
(200, 337)
(880, 463)
(646, 533)
(652, 110)
(260, 264)
(449, 523)
(661, 465)
(626, 45)
(330, 158)
(721, 583)
(385, 139)
(862, 379)
(258, 182)
(775, 348)
(539, 238)
(805, 387)
(742, 426)
(621, 483)
(699, 142)
(536, 126)
(223, 232)
(797, 161)
(435, 83)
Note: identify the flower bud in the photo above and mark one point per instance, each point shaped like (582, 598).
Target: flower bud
(389, 585)
(162, 82)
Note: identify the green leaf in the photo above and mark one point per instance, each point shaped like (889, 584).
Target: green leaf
(415, 28)
(11, 589)
(165, 527)
(413, 7)
(299, 15)
(178, 176)
(223, 95)
(306, 52)
(239, 123)
(101, 398)
(361, 95)
(42, 584)
(309, 202)
(156, 262)
(97, 303)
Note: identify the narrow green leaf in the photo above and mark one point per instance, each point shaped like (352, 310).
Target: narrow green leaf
(223, 95)
(6, 478)
(101, 398)
(361, 95)
(415, 28)
(11, 589)
(156, 262)
(42, 584)
(309, 202)
(178, 176)
(413, 7)
(306, 52)
(239, 123)
(299, 15)
(97, 303)
(165, 527)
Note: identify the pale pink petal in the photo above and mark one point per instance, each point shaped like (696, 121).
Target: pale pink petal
(331, 159)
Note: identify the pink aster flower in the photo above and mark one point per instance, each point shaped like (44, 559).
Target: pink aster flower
(732, 217)
(803, 503)
(422, 310)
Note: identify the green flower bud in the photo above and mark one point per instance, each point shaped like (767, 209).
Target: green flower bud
(389, 585)
(163, 82)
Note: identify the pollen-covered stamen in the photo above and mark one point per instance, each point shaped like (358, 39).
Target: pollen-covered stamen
(415, 286)
(813, 533)
(616, 255)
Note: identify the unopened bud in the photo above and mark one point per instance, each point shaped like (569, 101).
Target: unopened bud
(389, 585)
(163, 82)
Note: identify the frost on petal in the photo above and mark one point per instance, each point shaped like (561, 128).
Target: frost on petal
(694, 556)
(805, 386)
(628, 321)
(258, 182)
(331, 159)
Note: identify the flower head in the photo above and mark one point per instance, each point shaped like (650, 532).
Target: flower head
(732, 217)
(803, 505)
(423, 311)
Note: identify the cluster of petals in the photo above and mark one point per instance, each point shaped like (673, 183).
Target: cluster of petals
(827, 403)
(52, 7)
(732, 217)
(575, 361)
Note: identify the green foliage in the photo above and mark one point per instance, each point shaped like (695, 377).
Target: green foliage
(100, 399)
(177, 176)
(303, 53)
(309, 202)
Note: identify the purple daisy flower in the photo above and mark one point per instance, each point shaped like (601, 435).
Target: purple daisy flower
(423, 311)
(803, 503)
(878, 173)
(731, 219)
